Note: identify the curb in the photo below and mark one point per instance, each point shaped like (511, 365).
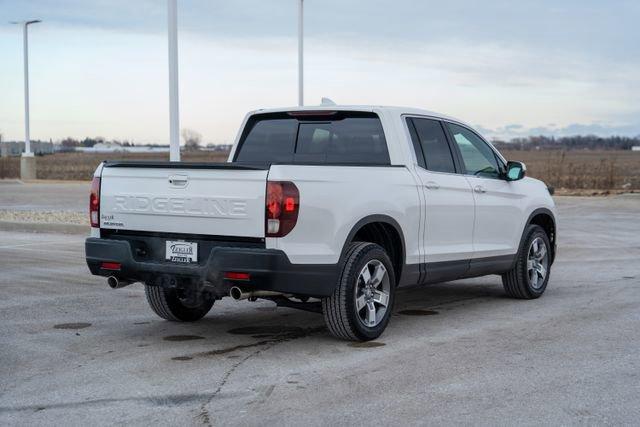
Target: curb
(39, 227)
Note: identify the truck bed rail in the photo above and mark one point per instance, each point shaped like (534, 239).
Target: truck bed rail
(179, 165)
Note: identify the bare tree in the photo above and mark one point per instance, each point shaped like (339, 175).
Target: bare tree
(192, 139)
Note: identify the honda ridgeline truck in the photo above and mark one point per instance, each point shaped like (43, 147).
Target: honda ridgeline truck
(328, 209)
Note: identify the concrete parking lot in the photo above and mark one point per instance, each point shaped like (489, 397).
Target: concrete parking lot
(73, 351)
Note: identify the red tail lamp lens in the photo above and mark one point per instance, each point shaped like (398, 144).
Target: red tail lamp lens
(94, 203)
(289, 204)
(234, 275)
(110, 266)
(282, 206)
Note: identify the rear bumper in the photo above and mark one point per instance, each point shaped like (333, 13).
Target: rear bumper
(269, 269)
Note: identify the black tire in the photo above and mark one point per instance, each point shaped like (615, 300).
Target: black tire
(517, 282)
(339, 310)
(166, 304)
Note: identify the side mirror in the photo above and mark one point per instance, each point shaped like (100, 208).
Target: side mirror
(515, 171)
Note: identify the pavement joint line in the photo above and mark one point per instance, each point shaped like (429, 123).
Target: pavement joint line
(38, 227)
(33, 244)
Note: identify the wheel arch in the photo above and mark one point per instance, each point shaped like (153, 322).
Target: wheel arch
(382, 230)
(544, 218)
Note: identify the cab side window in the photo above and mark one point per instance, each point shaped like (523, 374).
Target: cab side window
(479, 159)
(430, 139)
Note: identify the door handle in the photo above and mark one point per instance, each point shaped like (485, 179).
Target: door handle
(431, 185)
(479, 189)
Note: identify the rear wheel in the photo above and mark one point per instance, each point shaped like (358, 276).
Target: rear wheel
(168, 304)
(529, 277)
(361, 304)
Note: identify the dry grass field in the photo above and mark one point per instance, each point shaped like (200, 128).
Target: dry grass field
(613, 170)
(606, 170)
(80, 167)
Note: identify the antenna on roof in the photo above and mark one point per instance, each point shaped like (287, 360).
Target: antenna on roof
(326, 101)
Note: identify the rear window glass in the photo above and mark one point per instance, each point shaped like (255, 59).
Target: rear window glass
(337, 138)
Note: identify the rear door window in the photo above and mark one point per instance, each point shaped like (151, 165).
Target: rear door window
(327, 138)
(432, 141)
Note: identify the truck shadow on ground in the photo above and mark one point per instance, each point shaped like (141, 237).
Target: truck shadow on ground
(241, 327)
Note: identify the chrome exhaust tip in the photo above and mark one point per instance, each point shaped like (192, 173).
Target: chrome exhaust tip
(236, 293)
(115, 283)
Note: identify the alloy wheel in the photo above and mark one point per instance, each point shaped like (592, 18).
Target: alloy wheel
(372, 293)
(537, 263)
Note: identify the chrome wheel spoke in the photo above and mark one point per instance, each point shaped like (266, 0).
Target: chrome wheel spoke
(371, 314)
(381, 298)
(361, 301)
(365, 275)
(541, 270)
(534, 279)
(378, 274)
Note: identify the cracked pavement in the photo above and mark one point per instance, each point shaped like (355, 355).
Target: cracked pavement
(74, 351)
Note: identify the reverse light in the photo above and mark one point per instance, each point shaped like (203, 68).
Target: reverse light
(282, 206)
(94, 203)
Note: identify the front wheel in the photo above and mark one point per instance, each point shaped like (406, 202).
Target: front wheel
(168, 304)
(360, 306)
(529, 277)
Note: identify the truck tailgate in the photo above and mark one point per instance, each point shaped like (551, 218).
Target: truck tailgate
(217, 200)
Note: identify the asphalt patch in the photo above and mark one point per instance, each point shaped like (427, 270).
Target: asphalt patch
(183, 337)
(367, 344)
(268, 331)
(181, 358)
(418, 312)
(78, 325)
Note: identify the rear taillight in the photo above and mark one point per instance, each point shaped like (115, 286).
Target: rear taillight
(283, 204)
(94, 203)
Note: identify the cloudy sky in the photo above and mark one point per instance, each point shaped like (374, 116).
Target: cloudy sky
(99, 67)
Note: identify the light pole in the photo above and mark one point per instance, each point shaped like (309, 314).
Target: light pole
(300, 53)
(174, 114)
(25, 41)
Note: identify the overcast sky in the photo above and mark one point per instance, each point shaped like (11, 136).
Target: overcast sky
(99, 67)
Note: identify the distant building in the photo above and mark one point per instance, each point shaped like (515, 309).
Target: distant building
(114, 147)
(16, 148)
(106, 147)
(217, 147)
(635, 148)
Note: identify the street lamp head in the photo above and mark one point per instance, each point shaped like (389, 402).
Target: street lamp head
(34, 21)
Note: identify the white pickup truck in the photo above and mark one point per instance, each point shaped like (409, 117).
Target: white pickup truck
(328, 209)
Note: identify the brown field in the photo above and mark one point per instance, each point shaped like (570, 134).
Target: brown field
(80, 167)
(613, 170)
(606, 170)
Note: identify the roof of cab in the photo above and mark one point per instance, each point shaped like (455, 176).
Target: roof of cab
(372, 108)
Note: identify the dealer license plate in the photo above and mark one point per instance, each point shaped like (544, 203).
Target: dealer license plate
(179, 251)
